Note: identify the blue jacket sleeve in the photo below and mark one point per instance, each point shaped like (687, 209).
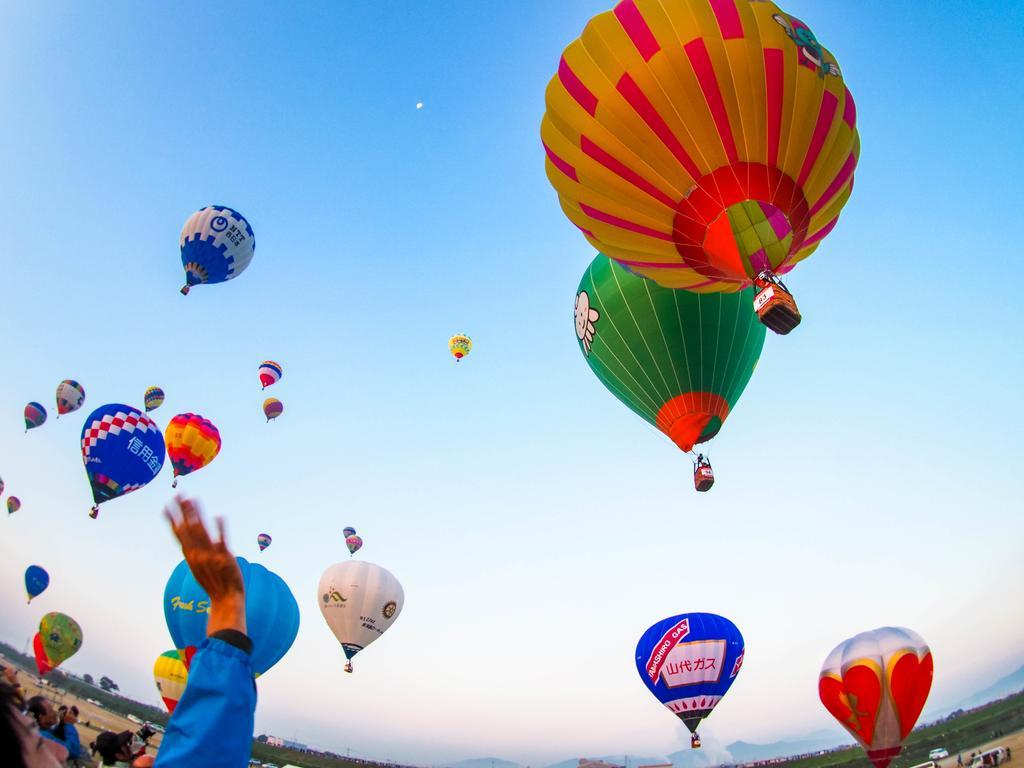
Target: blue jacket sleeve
(212, 725)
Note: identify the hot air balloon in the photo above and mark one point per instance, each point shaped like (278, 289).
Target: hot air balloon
(2, 486)
(70, 396)
(689, 662)
(217, 244)
(272, 408)
(270, 373)
(348, 531)
(263, 540)
(192, 443)
(876, 684)
(170, 672)
(359, 601)
(705, 145)
(271, 613)
(13, 504)
(153, 398)
(460, 345)
(122, 449)
(35, 416)
(354, 544)
(677, 359)
(36, 581)
(58, 639)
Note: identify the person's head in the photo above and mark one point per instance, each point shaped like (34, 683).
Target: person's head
(113, 746)
(42, 712)
(70, 714)
(20, 742)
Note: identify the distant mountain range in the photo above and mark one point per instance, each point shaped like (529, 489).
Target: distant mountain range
(744, 752)
(1012, 683)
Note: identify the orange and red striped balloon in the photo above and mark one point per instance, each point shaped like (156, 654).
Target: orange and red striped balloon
(192, 443)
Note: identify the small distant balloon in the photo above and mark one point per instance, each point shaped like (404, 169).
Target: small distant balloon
(349, 531)
(153, 398)
(270, 373)
(70, 396)
(35, 416)
(217, 245)
(419, 105)
(192, 443)
(354, 544)
(263, 540)
(36, 581)
(13, 504)
(272, 408)
(1, 486)
(460, 345)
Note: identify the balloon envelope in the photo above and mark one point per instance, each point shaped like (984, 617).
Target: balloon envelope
(354, 543)
(192, 443)
(217, 244)
(272, 408)
(122, 449)
(689, 662)
(271, 613)
(153, 398)
(70, 396)
(61, 637)
(348, 531)
(13, 504)
(42, 663)
(460, 345)
(677, 359)
(270, 373)
(263, 540)
(35, 416)
(359, 601)
(876, 684)
(170, 673)
(36, 581)
(700, 142)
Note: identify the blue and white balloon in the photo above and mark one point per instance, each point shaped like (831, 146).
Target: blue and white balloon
(217, 245)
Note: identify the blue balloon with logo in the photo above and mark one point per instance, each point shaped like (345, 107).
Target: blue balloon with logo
(689, 662)
(217, 245)
(36, 581)
(271, 612)
(122, 449)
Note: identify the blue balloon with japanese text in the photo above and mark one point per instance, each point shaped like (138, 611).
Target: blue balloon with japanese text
(271, 612)
(689, 662)
(122, 449)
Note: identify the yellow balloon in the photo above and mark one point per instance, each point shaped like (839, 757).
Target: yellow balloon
(171, 675)
(700, 143)
(460, 345)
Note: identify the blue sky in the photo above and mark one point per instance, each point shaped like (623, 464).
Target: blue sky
(537, 526)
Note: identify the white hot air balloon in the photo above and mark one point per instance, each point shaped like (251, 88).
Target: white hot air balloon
(359, 601)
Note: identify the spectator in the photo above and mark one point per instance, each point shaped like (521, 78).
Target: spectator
(114, 748)
(21, 745)
(67, 734)
(45, 717)
(212, 725)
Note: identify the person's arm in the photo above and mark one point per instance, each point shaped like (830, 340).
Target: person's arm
(213, 723)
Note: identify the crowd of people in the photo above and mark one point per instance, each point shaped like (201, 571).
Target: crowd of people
(212, 726)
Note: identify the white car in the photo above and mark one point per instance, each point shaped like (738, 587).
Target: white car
(95, 703)
(135, 719)
(938, 753)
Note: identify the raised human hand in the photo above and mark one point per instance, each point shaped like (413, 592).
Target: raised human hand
(211, 563)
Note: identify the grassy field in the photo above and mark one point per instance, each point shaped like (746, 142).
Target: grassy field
(962, 733)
